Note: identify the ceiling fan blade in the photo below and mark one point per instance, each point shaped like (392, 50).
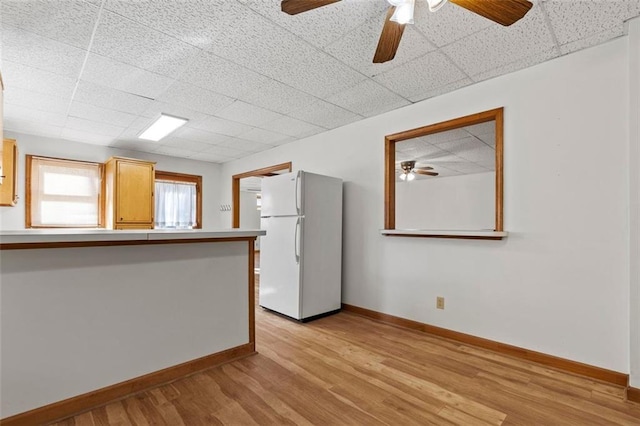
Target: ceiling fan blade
(504, 12)
(389, 39)
(423, 168)
(293, 7)
(422, 172)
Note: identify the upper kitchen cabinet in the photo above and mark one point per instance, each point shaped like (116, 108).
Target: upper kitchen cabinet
(129, 193)
(9, 173)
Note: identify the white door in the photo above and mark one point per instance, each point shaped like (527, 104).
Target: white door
(280, 265)
(281, 195)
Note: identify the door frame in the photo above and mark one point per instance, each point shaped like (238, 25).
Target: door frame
(235, 185)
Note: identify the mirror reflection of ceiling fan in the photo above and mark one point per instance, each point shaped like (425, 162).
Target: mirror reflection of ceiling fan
(504, 12)
(409, 171)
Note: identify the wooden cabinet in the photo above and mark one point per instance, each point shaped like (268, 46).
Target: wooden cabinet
(129, 189)
(9, 173)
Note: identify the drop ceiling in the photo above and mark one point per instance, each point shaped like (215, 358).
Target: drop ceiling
(464, 151)
(249, 77)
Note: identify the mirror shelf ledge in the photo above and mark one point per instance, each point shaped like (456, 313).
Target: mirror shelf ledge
(428, 233)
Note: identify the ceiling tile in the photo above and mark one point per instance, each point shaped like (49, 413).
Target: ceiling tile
(517, 65)
(441, 90)
(417, 78)
(35, 80)
(222, 76)
(469, 168)
(448, 24)
(285, 141)
(224, 151)
(326, 115)
(135, 145)
(37, 101)
(459, 145)
(127, 78)
(21, 113)
(86, 137)
(222, 126)
(368, 99)
(195, 98)
(480, 153)
(31, 127)
(248, 114)
(481, 129)
(126, 41)
(187, 144)
(88, 126)
(196, 22)
(105, 97)
(268, 49)
(497, 46)
(213, 158)
(40, 52)
(198, 135)
(441, 137)
(293, 127)
(136, 128)
(263, 136)
(575, 20)
(593, 40)
(245, 145)
(101, 115)
(51, 19)
(173, 151)
(278, 97)
(357, 48)
(321, 26)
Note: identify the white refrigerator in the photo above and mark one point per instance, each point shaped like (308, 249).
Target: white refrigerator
(301, 254)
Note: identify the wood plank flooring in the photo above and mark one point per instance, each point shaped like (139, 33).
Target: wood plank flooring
(349, 370)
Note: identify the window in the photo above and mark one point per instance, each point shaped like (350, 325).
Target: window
(178, 201)
(63, 193)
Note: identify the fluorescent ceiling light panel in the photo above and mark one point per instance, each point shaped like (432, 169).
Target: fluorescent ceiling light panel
(162, 127)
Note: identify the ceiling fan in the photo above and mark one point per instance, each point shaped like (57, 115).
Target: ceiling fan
(504, 12)
(409, 170)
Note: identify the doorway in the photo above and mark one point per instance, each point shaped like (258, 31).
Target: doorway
(252, 181)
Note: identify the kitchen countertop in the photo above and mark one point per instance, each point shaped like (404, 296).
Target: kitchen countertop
(85, 237)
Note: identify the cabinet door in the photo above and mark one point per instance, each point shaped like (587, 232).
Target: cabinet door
(134, 193)
(9, 172)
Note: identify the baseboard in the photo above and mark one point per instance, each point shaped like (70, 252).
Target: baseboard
(633, 394)
(90, 400)
(563, 364)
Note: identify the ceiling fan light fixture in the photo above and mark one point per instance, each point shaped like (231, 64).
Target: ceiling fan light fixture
(434, 5)
(407, 176)
(404, 12)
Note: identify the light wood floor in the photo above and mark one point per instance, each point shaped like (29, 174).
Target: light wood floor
(349, 370)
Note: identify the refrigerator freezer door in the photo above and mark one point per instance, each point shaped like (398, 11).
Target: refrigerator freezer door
(279, 265)
(282, 195)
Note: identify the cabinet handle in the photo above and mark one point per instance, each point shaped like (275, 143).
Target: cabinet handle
(121, 218)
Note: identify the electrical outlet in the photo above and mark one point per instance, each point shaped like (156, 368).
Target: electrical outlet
(440, 302)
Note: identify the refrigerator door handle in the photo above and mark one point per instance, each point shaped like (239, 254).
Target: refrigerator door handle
(296, 242)
(297, 180)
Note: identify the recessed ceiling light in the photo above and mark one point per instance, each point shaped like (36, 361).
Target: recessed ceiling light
(162, 127)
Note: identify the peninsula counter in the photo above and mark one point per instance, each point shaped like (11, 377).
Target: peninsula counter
(89, 316)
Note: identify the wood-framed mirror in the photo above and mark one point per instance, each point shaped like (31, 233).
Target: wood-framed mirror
(446, 179)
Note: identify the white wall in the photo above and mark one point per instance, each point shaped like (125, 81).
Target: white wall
(464, 202)
(14, 217)
(74, 320)
(249, 213)
(559, 283)
(634, 166)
